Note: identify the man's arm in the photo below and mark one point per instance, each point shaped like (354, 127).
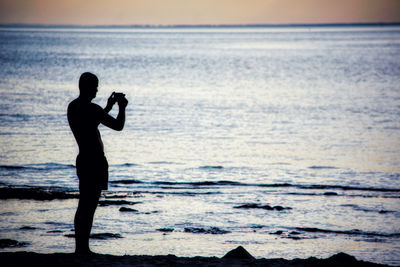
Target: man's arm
(118, 123)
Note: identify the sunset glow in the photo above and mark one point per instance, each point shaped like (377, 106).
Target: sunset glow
(167, 12)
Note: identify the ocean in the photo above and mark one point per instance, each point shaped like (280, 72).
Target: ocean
(284, 140)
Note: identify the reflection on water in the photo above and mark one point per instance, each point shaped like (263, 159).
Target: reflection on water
(292, 117)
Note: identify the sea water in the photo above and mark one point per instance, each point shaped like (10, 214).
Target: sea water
(284, 140)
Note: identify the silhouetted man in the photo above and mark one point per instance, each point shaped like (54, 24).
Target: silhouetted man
(91, 165)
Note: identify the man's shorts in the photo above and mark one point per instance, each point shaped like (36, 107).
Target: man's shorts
(92, 171)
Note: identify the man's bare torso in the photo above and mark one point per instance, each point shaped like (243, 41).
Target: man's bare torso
(84, 119)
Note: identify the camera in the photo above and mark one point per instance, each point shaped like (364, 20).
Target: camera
(118, 96)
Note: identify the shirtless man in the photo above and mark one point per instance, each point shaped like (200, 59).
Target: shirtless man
(91, 165)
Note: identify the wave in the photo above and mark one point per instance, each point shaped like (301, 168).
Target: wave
(276, 185)
(104, 203)
(211, 167)
(206, 167)
(204, 183)
(346, 232)
(12, 167)
(101, 236)
(346, 188)
(179, 193)
(322, 167)
(161, 162)
(36, 193)
(126, 182)
(126, 165)
(40, 166)
(358, 208)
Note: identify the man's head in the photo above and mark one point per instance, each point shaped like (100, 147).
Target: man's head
(88, 83)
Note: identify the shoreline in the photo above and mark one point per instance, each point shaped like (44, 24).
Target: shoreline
(236, 257)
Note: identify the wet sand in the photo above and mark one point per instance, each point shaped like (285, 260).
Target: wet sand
(236, 257)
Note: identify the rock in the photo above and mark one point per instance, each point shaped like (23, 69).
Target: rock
(166, 230)
(212, 230)
(27, 228)
(238, 253)
(103, 203)
(330, 194)
(342, 259)
(195, 230)
(277, 232)
(385, 211)
(9, 243)
(258, 206)
(124, 209)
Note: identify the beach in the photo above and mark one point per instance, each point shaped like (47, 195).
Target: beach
(232, 258)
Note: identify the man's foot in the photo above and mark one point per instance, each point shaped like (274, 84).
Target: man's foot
(85, 253)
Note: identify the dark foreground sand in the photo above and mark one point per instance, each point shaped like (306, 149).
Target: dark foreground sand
(237, 257)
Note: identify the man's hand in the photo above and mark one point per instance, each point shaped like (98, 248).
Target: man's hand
(110, 102)
(122, 102)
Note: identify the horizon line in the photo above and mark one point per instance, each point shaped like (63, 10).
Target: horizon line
(256, 25)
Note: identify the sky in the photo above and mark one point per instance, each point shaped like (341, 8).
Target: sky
(197, 12)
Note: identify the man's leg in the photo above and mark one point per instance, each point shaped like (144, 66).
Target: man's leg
(88, 200)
